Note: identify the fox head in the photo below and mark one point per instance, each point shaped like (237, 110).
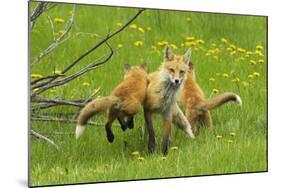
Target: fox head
(139, 70)
(175, 67)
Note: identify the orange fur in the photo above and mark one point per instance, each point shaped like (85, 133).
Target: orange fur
(196, 106)
(124, 102)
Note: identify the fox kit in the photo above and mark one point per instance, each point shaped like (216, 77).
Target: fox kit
(196, 106)
(124, 102)
(162, 93)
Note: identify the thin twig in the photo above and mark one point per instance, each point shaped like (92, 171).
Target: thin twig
(87, 53)
(57, 41)
(39, 136)
(61, 120)
(73, 76)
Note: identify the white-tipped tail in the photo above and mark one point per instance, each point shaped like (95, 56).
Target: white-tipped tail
(79, 131)
(238, 100)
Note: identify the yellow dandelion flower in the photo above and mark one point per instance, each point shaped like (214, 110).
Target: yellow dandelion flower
(141, 29)
(36, 89)
(190, 38)
(212, 79)
(232, 134)
(162, 43)
(229, 49)
(230, 141)
(138, 43)
(174, 148)
(235, 80)
(241, 50)
(259, 47)
(120, 46)
(218, 136)
(232, 46)
(182, 44)
(245, 84)
(133, 26)
(213, 45)
(59, 20)
(218, 74)
(200, 41)
(148, 28)
(140, 158)
(208, 54)
(249, 53)
(233, 52)
(119, 23)
(225, 75)
(188, 19)
(189, 44)
(87, 84)
(36, 76)
(261, 61)
(223, 40)
(256, 74)
(164, 158)
(258, 52)
(252, 62)
(173, 46)
(135, 153)
(250, 76)
(57, 71)
(215, 91)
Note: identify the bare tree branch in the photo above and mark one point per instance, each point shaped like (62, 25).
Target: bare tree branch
(84, 55)
(39, 136)
(61, 120)
(57, 41)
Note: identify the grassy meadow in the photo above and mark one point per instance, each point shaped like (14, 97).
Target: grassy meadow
(229, 53)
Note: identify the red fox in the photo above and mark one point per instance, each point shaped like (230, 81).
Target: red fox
(196, 106)
(126, 100)
(162, 94)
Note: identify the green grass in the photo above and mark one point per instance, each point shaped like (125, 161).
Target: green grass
(92, 158)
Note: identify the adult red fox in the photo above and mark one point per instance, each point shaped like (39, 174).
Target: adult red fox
(197, 108)
(125, 101)
(163, 88)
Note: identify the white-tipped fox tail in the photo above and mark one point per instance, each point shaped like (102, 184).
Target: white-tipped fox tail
(79, 130)
(238, 100)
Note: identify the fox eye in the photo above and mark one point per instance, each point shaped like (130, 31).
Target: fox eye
(171, 70)
(182, 72)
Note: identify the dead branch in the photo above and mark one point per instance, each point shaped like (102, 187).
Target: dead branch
(61, 120)
(57, 41)
(39, 136)
(47, 83)
(73, 76)
(39, 9)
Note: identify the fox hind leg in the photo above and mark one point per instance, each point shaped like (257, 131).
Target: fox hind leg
(122, 123)
(150, 130)
(207, 119)
(130, 122)
(109, 134)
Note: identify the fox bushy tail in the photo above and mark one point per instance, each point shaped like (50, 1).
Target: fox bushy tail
(221, 99)
(91, 109)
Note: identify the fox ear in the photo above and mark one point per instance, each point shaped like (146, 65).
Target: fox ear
(168, 53)
(127, 66)
(187, 55)
(190, 65)
(144, 66)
